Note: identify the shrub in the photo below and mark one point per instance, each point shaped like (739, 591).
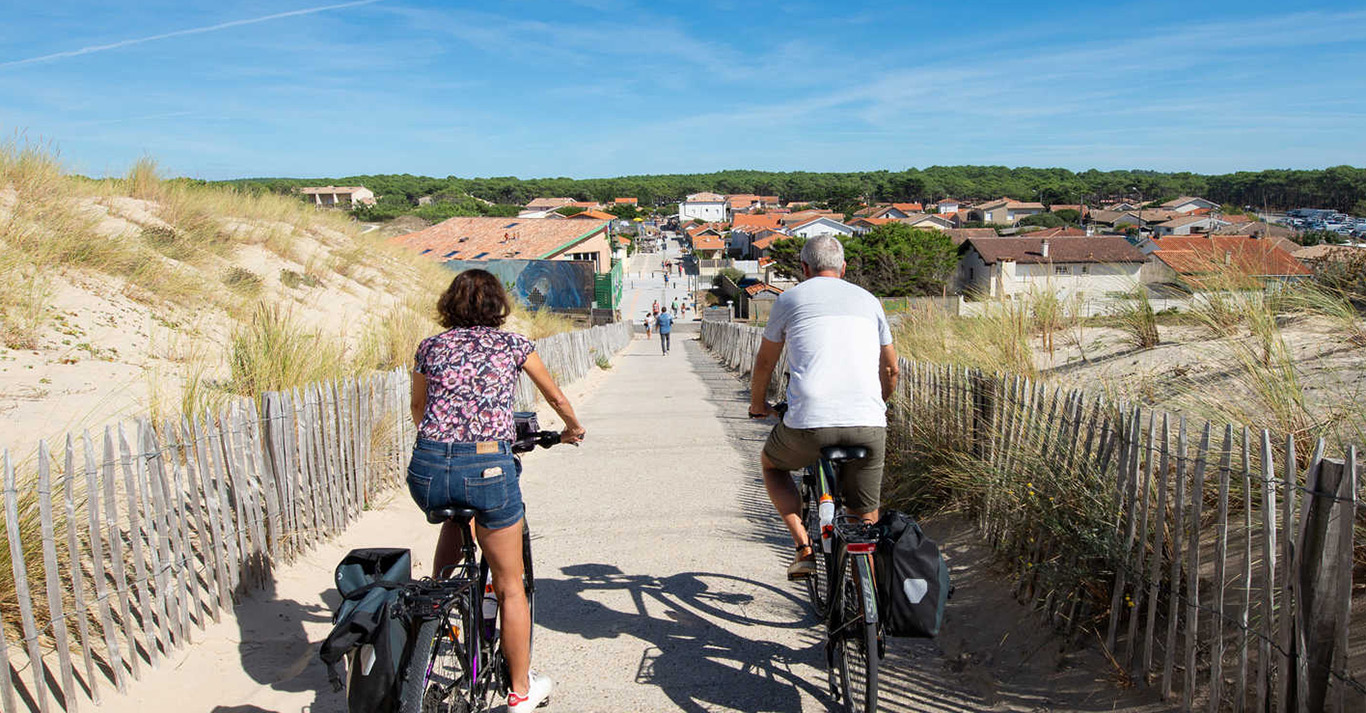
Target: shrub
(294, 280)
(243, 281)
(1043, 220)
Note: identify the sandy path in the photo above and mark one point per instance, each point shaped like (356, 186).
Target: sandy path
(660, 583)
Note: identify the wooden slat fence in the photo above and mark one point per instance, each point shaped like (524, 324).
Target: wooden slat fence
(130, 539)
(1214, 561)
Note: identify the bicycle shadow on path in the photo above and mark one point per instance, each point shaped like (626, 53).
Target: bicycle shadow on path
(686, 620)
(276, 651)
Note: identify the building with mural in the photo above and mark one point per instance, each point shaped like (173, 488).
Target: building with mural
(545, 263)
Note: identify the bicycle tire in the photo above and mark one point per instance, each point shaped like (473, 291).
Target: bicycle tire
(856, 651)
(529, 585)
(818, 584)
(415, 692)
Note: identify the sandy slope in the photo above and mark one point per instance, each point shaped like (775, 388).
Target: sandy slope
(109, 351)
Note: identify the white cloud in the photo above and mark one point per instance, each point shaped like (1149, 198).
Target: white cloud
(180, 33)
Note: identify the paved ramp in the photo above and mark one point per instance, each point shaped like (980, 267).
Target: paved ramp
(661, 583)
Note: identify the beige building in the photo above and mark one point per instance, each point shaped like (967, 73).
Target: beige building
(1013, 266)
(1004, 211)
(339, 195)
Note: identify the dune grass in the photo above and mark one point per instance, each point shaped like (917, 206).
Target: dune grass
(995, 341)
(1135, 316)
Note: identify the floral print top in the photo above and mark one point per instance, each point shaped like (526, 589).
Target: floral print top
(471, 380)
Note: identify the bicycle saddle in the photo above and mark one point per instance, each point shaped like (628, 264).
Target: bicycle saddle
(840, 454)
(440, 515)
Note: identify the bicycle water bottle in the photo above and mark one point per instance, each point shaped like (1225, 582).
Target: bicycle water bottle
(826, 511)
(490, 609)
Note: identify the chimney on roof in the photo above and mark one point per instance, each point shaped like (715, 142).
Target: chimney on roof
(1228, 257)
(1043, 248)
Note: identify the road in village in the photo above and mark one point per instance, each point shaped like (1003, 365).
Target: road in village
(660, 583)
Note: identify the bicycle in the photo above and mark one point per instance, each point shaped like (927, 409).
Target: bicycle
(847, 603)
(454, 664)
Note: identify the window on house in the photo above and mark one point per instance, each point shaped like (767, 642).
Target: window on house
(1085, 269)
(1061, 270)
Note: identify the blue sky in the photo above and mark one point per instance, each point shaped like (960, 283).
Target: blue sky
(611, 87)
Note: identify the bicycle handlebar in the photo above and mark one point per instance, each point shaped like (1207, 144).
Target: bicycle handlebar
(528, 443)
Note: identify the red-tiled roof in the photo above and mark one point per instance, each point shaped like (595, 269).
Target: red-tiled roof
(908, 208)
(872, 222)
(763, 220)
(310, 190)
(1202, 254)
(707, 242)
(549, 203)
(625, 201)
(594, 214)
(960, 235)
(758, 287)
(768, 238)
(705, 197)
(1029, 249)
(1057, 233)
(464, 238)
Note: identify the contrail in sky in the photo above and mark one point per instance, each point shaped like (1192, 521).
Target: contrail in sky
(180, 33)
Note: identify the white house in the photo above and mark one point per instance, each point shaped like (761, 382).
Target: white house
(1007, 267)
(1188, 204)
(339, 195)
(821, 226)
(709, 207)
(948, 205)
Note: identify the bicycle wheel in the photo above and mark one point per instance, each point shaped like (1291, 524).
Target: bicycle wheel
(818, 584)
(856, 652)
(529, 583)
(435, 673)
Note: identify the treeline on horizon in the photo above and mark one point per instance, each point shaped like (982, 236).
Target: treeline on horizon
(1341, 188)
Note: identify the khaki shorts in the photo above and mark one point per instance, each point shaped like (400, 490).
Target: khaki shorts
(860, 480)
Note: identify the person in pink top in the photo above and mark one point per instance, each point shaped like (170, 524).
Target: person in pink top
(464, 381)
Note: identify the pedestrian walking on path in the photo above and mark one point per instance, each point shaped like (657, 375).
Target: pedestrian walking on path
(649, 323)
(666, 325)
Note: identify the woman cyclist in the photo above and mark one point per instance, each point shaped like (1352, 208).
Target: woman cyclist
(464, 380)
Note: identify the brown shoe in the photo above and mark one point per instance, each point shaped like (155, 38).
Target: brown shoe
(804, 566)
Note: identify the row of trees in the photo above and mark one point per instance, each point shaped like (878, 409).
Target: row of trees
(1341, 187)
(891, 260)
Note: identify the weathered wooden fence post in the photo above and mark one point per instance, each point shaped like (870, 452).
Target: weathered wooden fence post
(1323, 570)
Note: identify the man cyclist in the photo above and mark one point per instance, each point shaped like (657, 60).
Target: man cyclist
(843, 369)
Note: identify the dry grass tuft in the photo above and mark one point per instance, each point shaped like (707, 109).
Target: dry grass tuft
(1137, 319)
(272, 351)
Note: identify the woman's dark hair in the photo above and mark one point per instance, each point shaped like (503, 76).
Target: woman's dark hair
(475, 299)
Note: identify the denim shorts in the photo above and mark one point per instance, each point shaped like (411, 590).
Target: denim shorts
(444, 475)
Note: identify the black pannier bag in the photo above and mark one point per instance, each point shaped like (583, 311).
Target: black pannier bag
(368, 628)
(912, 578)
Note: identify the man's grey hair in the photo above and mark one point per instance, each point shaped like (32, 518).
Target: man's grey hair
(823, 253)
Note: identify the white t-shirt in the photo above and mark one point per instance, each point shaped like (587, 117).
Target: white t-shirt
(835, 331)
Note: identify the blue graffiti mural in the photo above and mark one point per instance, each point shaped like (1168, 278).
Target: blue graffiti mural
(550, 284)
